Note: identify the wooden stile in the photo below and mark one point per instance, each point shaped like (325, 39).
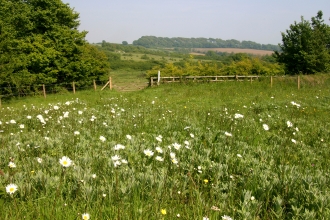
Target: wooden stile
(105, 85)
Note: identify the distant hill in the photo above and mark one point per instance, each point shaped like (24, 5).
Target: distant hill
(180, 42)
(202, 51)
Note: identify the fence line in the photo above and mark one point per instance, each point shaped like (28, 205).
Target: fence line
(56, 84)
(41, 89)
(153, 81)
(173, 79)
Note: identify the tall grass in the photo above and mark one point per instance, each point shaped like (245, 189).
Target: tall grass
(234, 149)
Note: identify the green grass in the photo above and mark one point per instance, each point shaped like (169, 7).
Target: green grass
(280, 173)
(128, 80)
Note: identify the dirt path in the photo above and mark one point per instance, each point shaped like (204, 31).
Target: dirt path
(128, 87)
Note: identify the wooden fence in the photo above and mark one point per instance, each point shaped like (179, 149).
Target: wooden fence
(42, 89)
(172, 79)
(158, 80)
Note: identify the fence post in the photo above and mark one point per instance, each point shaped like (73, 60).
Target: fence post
(44, 90)
(94, 83)
(110, 83)
(298, 79)
(74, 88)
(271, 81)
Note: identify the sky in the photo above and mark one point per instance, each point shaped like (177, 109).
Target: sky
(261, 21)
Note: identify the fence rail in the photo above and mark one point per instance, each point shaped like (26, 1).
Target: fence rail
(44, 89)
(171, 79)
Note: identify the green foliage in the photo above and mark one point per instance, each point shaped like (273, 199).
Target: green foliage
(180, 42)
(145, 57)
(40, 44)
(305, 47)
(240, 64)
(119, 48)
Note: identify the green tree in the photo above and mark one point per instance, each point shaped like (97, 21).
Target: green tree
(305, 47)
(124, 43)
(40, 43)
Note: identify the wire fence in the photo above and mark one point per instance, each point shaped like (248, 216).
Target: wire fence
(52, 88)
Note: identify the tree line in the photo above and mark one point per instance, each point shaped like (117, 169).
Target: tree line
(152, 41)
(234, 64)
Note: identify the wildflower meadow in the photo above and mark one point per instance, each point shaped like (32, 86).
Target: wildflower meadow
(232, 150)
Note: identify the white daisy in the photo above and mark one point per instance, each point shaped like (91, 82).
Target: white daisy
(148, 152)
(85, 216)
(12, 165)
(119, 147)
(226, 217)
(11, 188)
(65, 161)
(238, 115)
(176, 146)
(159, 158)
(228, 134)
(159, 150)
(116, 157)
(266, 127)
(103, 139)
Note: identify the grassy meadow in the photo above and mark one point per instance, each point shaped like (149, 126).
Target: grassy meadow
(231, 150)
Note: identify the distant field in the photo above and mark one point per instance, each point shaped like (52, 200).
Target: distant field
(139, 57)
(234, 50)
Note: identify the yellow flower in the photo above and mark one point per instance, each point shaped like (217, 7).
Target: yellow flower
(163, 211)
(206, 181)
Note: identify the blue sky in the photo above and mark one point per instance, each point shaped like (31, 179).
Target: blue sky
(261, 21)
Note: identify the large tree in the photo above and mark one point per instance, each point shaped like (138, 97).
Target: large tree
(40, 43)
(306, 47)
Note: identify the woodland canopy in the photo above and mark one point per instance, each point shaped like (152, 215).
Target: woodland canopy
(40, 44)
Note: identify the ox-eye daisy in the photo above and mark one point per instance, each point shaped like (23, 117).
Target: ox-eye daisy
(12, 165)
(148, 152)
(85, 216)
(65, 161)
(11, 188)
